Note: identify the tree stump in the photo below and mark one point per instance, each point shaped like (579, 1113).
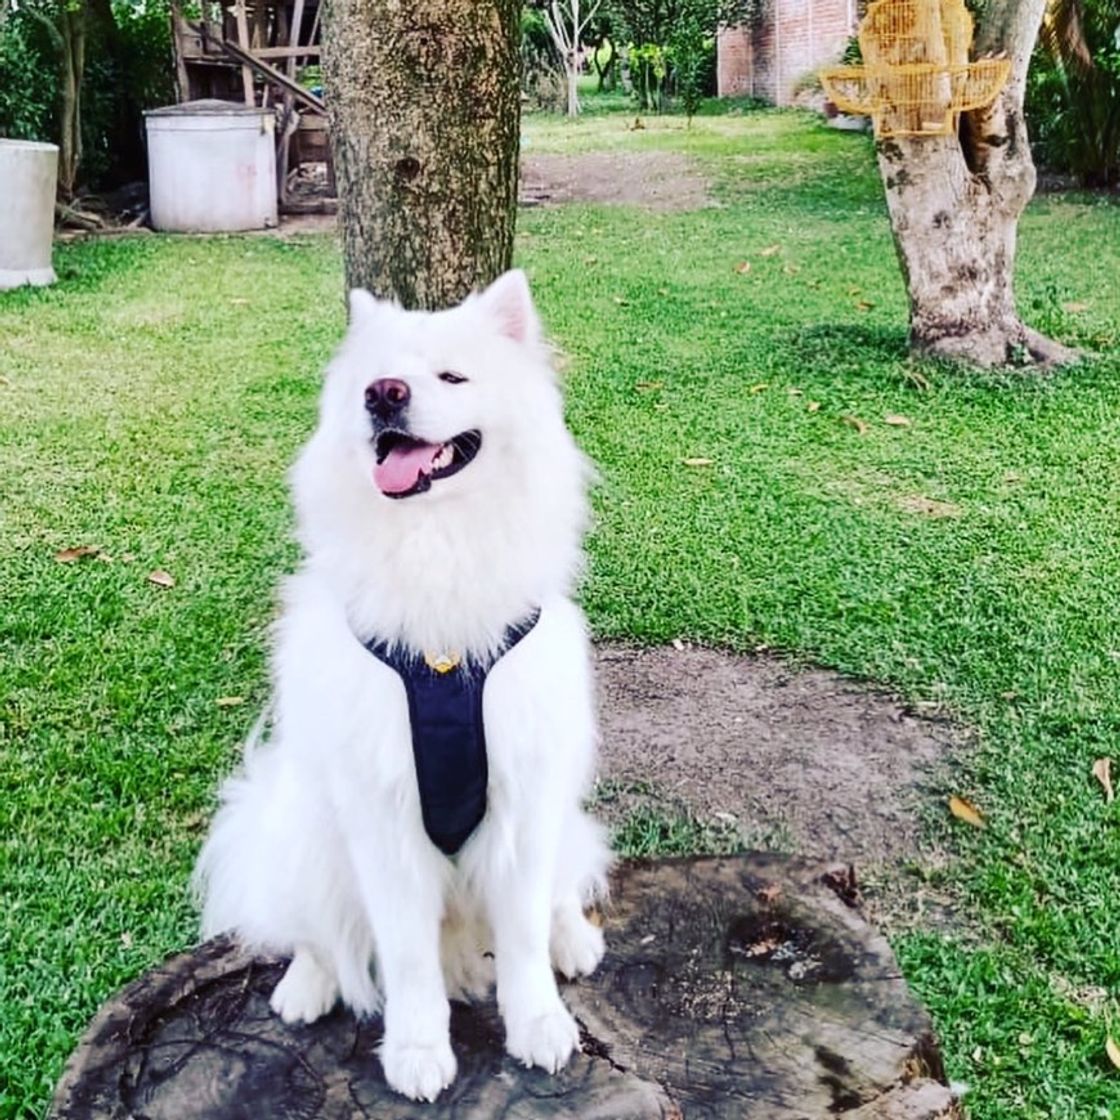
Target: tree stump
(746, 987)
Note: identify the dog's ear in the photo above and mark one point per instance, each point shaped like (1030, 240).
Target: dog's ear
(510, 304)
(363, 305)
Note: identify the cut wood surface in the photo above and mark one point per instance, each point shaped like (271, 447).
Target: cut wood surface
(745, 987)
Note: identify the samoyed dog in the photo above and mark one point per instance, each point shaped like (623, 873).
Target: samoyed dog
(411, 829)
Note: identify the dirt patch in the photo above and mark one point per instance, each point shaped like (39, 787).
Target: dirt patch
(805, 761)
(928, 507)
(661, 181)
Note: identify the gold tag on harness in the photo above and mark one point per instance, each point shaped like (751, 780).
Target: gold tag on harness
(441, 662)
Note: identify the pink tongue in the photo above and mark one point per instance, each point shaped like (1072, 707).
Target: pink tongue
(401, 468)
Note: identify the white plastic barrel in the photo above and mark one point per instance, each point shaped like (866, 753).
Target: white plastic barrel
(28, 174)
(211, 167)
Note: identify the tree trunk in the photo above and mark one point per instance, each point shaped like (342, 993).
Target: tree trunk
(71, 27)
(954, 206)
(424, 108)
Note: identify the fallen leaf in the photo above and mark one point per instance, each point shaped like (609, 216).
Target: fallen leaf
(794, 392)
(229, 701)
(864, 304)
(855, 422)
(239, 301)
(761, 948)
(126, 940)
(622, 301)
(677, 644)
(854, 291)
(770, 250)
(1012, 476)
(1113, 1052)
(768, 892)
(759, 387)
(644, 386)
(69, 555)
(965, 811)
(813, 406)
(1074, 306)
(743, 267)
(790, 269)
(1102, 771)
(161, 578)
(4, 381)
(841, 879)
(662, 291)
(896, 421)
(915, 378)
(590, 260)
(698, 462)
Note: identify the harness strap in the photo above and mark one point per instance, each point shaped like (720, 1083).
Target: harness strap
(448, 735)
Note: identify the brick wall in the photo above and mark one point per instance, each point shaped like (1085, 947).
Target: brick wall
(797, 37)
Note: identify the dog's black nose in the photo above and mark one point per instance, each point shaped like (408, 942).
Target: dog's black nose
(387, 397)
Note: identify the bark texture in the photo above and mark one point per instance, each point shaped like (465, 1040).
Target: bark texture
(954, 204)
(737, 989)
(424, 110)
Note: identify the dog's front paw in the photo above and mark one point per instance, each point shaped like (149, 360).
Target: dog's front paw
(421, 1072)
(546, 1040)
(577, 946)
(306, 992)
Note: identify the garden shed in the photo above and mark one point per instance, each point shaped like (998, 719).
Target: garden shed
(263, 53)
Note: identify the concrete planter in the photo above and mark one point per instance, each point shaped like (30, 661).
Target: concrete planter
(28, 177)
(212, 167)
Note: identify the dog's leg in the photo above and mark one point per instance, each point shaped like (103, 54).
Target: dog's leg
(307, 991)
(576, 945)
(539, 1029)
(405, 911)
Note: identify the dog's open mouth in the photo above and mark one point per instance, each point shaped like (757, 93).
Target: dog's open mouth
(407, 466)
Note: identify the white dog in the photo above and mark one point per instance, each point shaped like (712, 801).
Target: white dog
(400, 816)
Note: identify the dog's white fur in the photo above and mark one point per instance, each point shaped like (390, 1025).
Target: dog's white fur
(319, 849)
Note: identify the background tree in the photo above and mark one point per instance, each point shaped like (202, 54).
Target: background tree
(600, 36)
(954, 204)
(79, 73)
(424, 112)
(692, 54)
(672, 43)
(1073, 94)
(543, 79)
(567, 24)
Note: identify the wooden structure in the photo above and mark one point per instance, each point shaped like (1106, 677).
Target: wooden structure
(260, 52)
(747, 987)
(916, 78)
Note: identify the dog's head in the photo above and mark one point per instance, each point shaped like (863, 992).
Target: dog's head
(432, 403)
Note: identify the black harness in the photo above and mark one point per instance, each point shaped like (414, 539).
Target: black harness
(448, 736)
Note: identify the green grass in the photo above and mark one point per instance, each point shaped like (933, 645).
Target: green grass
(146, 409)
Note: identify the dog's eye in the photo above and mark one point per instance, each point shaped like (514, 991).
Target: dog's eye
(452, 378)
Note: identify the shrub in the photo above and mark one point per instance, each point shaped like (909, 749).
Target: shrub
(1073, 91)
(28, 84)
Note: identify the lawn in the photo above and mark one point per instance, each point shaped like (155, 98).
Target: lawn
(151, 401)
